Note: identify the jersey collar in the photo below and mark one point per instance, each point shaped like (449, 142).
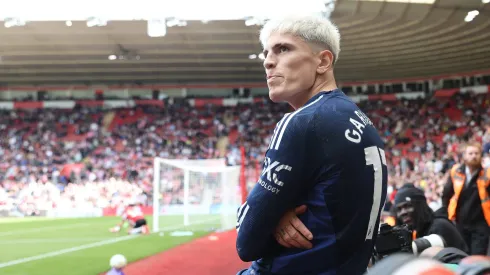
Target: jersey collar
(313, 98)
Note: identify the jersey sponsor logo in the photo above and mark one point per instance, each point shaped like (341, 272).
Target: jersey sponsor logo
(272, 168)
(269, 178)
(269, 187)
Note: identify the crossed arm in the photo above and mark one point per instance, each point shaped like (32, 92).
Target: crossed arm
(291, 232)
(269, 203)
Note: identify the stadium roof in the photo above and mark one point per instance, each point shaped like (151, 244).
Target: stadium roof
(381, 40)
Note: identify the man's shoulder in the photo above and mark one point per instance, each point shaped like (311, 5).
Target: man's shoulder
(331, 104)
(440, 219)
(323, 103)
(295, 124)
(338, 109)
(289, 131)
(441, 223)
(457, 168)
(329, 116)
(339, 119)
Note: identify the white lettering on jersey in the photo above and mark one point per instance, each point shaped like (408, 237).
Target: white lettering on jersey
(278, 167)
(271, 170)
(357, 124)
(269, 187)
(363, 117)
(353, 135)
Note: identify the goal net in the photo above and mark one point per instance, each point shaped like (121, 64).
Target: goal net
(195, 194)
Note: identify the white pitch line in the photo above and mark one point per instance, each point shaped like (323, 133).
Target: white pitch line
(51, 240)
(64, 251)
(87, 246)
(45, 228)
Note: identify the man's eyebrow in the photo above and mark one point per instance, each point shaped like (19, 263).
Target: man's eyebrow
(283, 44)
(278, 45)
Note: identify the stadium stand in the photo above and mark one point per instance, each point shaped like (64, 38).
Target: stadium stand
(86, 148)
(56, 150)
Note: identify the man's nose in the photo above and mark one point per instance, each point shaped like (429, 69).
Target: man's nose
(269, 63)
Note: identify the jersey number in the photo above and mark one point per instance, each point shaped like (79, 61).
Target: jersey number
(376, 157)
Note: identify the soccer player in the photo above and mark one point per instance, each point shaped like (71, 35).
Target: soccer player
(134, 216)
(326, 155)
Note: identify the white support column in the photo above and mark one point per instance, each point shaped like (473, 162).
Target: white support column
(186, 197)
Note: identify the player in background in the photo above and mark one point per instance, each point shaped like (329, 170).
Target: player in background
(326, 155)
(133, 215)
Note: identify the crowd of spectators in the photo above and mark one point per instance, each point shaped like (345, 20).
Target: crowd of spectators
(425, 138)
(68, 149)
(50, 157)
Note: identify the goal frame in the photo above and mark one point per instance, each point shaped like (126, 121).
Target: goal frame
(218, 167)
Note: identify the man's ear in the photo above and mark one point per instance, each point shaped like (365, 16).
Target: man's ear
(326, 61)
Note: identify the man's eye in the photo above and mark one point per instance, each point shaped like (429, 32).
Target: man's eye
(283, 49)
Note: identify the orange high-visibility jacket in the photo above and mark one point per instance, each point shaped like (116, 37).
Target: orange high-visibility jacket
(458, 179)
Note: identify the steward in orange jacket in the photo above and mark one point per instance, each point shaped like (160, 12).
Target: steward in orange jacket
(466, 197)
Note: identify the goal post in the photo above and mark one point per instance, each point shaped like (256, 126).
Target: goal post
(195, 194)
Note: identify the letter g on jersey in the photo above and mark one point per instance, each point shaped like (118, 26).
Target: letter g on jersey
(271, 170)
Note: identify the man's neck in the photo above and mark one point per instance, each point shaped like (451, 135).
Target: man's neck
(326, 85)
(472, 169)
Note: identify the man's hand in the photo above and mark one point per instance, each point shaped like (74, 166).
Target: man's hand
(291, 232)
(115, 229)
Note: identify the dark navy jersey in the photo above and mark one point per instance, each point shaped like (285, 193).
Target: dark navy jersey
(328, 156)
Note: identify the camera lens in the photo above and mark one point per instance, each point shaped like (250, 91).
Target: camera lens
(422, 244)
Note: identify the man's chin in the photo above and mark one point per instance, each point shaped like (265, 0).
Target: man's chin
(275, 95)
(474, 164)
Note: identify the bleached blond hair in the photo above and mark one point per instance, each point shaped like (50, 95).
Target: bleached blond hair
(312, 29)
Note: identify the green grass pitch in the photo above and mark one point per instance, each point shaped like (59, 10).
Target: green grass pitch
(83, 246)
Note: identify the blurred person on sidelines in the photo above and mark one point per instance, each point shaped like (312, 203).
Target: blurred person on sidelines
(133, 215)
(326, 159)
(466, 198)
